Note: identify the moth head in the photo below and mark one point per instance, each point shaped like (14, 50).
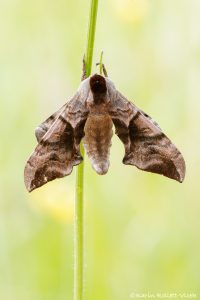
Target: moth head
(98, 85)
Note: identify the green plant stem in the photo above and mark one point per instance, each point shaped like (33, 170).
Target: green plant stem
(91, 36)
(79, 205)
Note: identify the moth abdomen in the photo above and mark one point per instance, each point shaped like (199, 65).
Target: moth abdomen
(97, 141)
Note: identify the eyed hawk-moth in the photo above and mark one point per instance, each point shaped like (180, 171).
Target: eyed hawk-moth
(89, 116)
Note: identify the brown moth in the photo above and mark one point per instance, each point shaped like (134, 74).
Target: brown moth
(89, 116)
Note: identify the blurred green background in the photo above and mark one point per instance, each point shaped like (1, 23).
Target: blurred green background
(142, 230)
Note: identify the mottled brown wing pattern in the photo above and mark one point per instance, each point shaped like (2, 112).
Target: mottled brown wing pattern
(59, 145)
(146, 146)
(91, 113)
(44, 127)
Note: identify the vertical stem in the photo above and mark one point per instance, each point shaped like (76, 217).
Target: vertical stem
(91, 35)
(78, 233)
(79, 205)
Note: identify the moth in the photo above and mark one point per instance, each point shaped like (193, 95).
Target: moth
(90, 116)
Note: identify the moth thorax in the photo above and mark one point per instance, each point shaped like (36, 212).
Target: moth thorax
(98, 88)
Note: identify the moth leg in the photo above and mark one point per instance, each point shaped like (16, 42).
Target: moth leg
(83, 77)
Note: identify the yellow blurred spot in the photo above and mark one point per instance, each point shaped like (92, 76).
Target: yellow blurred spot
(132, 10)
(55, 199)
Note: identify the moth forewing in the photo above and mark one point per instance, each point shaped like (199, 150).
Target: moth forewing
(58, 149)
(146, 146)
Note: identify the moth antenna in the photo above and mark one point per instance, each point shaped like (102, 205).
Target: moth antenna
(104, 69)
(101, 63)
(83, 77)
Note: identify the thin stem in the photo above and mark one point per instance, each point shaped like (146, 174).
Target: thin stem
(91, 35)
(78, 233)
(79, 205)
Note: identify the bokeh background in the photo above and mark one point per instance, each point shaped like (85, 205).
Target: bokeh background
(142, 231)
